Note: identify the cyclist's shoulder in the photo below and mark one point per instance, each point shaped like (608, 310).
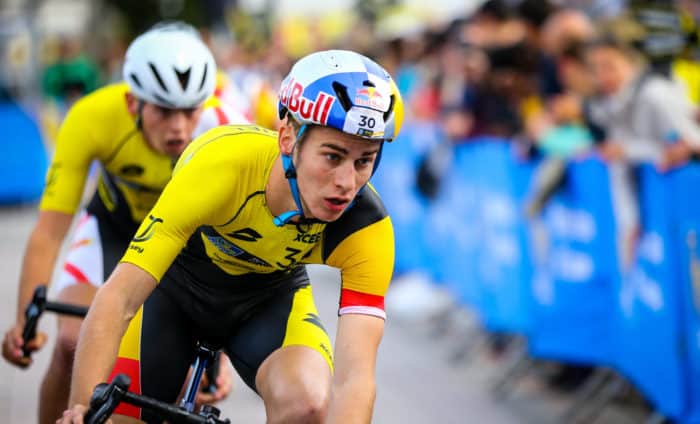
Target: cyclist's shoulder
(110, 95)
(232, 143)
(100, 118)
(367, 210)
(234, 140)
(369, 205)
(105, 102)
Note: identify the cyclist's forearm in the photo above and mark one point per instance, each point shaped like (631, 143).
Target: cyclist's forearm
(37, 266)
(353, 389)
(98, 345)
(352, 402)
(116, 303)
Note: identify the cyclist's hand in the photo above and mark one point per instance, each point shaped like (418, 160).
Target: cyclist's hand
(224, 384)
(12, 346)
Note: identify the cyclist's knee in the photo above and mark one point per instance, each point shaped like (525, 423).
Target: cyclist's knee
(77, 294)
(301, 403)
(69, 327)
(66, 342)
(298, 412)
(295, 384)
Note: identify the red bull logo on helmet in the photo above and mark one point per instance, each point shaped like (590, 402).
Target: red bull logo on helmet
(316, 110)
(370, 97)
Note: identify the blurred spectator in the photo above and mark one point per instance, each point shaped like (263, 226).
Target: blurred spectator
(564, 28)
(457, 70)
(598, 9)
(493, 101)
(253, 75)
(535, 13)
(71, 76)
(641, 112)
(686, 67)
(687, 72)
(646, 118)
(563, 81)
(414, 79)
(561, 132)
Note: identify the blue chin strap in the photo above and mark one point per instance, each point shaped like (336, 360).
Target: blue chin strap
(291, 174)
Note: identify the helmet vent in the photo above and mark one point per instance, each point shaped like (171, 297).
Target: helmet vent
(162, 100)
(368, 83)
(204, 77)
(387, 114)
(183, 77)
(136, 81)
(341, 93)
(158, 78)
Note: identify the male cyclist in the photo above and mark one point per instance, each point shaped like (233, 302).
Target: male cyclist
(221, 255)
(136, 130)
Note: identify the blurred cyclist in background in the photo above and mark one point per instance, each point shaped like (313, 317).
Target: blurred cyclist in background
(136, 130)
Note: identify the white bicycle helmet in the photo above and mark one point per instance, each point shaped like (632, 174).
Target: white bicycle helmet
(170, 66)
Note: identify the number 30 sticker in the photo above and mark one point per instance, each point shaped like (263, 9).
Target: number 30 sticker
(367, 121)
(364, 122)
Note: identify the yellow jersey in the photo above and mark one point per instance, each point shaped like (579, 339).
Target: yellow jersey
(99, 127)
(213, 218)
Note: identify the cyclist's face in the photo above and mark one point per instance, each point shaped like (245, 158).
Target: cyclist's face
(331, 168)
(167, 131)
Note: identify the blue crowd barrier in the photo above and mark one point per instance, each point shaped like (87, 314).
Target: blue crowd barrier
(686, 218)
(23, 160)
(574, 287)
(452, 238)
(477, 236)
(395, 181)
(570, 295)
(504, 264)
(650, 311)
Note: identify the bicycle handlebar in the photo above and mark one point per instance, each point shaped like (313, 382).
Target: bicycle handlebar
(67, 309)
(36, 307)
(31, 315)
(106, 397)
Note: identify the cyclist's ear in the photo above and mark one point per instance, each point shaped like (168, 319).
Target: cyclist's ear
(132, 103)
(286, 138)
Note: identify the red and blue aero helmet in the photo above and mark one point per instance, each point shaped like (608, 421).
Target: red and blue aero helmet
(342, 90)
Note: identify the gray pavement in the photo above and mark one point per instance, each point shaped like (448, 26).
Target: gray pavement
(416, 384)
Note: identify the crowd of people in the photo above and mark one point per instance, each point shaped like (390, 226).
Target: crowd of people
(560, 81)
